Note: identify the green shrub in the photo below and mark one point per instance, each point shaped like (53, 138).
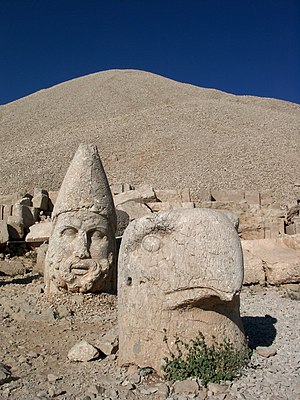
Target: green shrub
(215, 363)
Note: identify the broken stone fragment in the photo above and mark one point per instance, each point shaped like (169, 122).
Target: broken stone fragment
(3, 233)
(109, 343)
(83, 351)
(5, 374)
(266, 351)
(39, 233)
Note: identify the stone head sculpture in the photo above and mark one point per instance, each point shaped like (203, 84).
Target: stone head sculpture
(81, 252)
(180, 272)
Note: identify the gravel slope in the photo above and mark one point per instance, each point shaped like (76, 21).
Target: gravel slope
(150, 129)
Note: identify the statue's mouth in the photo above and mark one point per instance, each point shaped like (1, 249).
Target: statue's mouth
(80, 269)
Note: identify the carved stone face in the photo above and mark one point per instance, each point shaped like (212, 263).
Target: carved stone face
(80, 254)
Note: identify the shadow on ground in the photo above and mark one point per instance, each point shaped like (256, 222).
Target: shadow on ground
(260, 331)
(19, 281)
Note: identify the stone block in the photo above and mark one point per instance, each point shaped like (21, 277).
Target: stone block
(41, 252)
(39, 233)
(10, 199)
(199, 195)
(146, 192)
(179, 271)
(143, 195)
(235, 196)
(290, 229)
(165, 206)
(41, 201)
(116, 188)
(173, 196)
(253, 267)
(252, 197)
(281, 262)
(109, 343)
(266, 198)
(15, 228)
(134, 209)
(296, 221)
(7, 211)
(27, 215)
(122, 222)
(3, 233)
(52, 196)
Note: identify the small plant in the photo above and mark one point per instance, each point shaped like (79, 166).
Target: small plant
(215, 363)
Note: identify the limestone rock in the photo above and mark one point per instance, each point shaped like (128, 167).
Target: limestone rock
(173, 196)
(266, 351)
(166, 206)
(41, 252)
(253, 267)
(280, 258)
(142, 194)
(83, 351)
(186, 387)
(109, 343)
(12, 267)
(122, 222)
(134, 209)
(82, 249)
(3, 233)
(40, 199)
(175, 267)
(39, 233)
(5, 374)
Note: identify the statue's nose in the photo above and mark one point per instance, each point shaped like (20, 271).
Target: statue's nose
(81, 250)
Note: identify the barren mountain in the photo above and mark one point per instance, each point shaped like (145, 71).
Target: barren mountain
(150, 129)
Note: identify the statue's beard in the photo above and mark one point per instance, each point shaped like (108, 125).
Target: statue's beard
(80, 275)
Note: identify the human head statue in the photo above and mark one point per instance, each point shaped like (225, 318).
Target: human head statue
(81, 252)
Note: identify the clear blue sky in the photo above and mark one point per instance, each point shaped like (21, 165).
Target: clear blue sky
(239, 46)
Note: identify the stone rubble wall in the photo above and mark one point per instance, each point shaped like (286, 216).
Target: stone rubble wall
(28, 217)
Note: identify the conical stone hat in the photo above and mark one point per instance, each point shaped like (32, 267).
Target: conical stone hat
(85, 186)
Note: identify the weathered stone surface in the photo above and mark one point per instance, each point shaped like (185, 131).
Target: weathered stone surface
(15, 228)
(28, 215)
(109, 343)
(235, 196)
(83, 351)
(187, 386)
(266, 351)
(39, 233)
(253, 267)
(81, 253)
(41, 252)
(176, 267)
(142, 194)
(5, 374)
(12, 267)
(3, 233)
(166, 206)
(173, 196)
(233, 218)
(40, 199)
(280, 258)
(122, 222)
(134, 209)
(252, 197)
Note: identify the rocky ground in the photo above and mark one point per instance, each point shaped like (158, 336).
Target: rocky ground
(37, 332)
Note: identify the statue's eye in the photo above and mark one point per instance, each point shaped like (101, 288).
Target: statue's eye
(69, 232)
(96, 234)
(151, 243)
